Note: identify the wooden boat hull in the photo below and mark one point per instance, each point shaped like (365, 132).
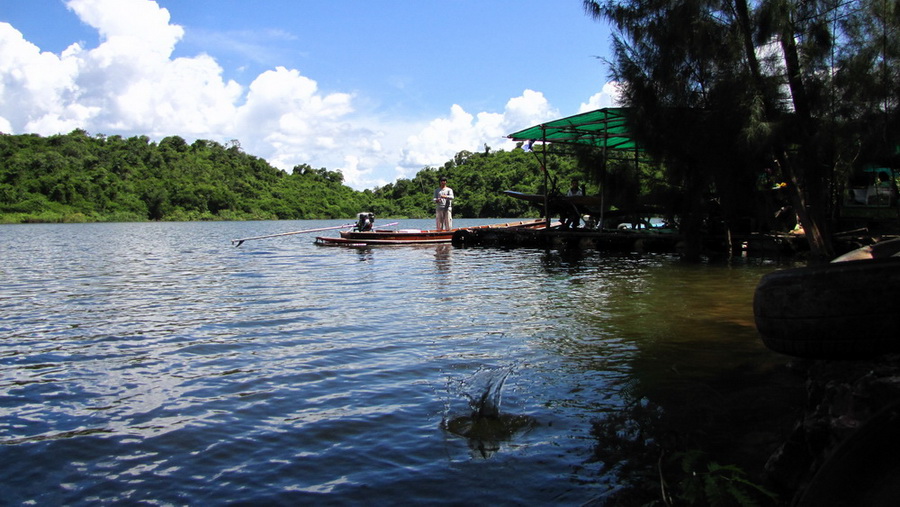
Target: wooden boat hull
(413, 237)
(380, 241)
(842, 310)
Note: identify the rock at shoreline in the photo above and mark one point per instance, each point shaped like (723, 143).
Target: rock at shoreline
(846, 400)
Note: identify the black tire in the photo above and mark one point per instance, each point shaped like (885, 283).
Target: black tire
(462, 238)
(846, 310)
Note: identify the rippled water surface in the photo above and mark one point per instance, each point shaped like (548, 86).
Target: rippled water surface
(157, 363)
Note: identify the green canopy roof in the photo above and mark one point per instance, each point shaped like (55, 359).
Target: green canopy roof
(603, 128)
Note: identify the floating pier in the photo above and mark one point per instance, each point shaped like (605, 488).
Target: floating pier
(619, 241)
(630, 240)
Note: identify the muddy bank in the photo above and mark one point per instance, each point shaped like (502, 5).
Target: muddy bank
(846, 447)
(703, 441)
(810, 433)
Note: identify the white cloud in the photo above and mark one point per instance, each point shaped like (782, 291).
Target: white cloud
(445, 137)
(36, 86)
(530, 108)
(141, 24)
(288, 121)
(127, 84)
(608, 97)
(131, 85)
(134, 85)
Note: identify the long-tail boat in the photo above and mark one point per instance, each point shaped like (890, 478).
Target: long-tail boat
(376, 236)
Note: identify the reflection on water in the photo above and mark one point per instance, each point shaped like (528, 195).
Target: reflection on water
(442, 254)
(485, 433)
(157, 363)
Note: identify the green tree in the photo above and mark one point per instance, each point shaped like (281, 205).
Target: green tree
(77, 176)
(723, 89)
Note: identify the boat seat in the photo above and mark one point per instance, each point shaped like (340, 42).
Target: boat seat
(858, 195)
(878, 196)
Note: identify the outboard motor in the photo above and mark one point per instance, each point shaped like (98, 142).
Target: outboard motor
(365, 221)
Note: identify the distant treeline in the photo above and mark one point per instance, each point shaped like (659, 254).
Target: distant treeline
(77, 177)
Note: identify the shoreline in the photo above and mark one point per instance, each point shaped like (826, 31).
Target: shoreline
(842, 420)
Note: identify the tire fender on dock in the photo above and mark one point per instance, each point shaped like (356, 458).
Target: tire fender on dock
(842, 310)
(462, 238)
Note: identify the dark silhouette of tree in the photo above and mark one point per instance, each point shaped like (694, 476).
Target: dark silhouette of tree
(725, 88)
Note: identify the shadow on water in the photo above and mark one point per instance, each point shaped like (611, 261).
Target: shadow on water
(485, 427)
(705, 404)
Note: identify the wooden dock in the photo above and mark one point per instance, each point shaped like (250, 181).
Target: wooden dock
(619, 241)
(637, 241)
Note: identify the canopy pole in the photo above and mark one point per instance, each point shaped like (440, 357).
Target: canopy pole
(637, 173)
(603, 169)
(546, 177)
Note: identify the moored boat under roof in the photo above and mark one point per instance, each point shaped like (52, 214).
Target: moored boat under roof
(416, 236)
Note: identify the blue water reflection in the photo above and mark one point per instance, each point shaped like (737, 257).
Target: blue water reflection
(157, 363)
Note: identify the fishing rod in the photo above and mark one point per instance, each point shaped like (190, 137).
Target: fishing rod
(241, 241)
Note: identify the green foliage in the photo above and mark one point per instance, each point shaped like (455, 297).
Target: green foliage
(707, 483)
(660, 461)
(478, 181)
(77, 177)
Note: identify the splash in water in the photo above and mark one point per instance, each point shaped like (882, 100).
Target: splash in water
(486, 391)
(485, 426)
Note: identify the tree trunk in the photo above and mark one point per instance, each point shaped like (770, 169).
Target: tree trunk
(809, 215)
(806, 193)
(743, 14)
(807, 180)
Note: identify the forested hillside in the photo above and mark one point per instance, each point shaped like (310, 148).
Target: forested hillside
(478, 181)
(77, 177)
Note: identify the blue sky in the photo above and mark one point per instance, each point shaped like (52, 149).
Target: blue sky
(377, 90)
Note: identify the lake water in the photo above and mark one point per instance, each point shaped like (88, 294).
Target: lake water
(157, 363)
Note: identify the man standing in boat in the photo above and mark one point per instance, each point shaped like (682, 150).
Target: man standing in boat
(570, 215)
(443, 200)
